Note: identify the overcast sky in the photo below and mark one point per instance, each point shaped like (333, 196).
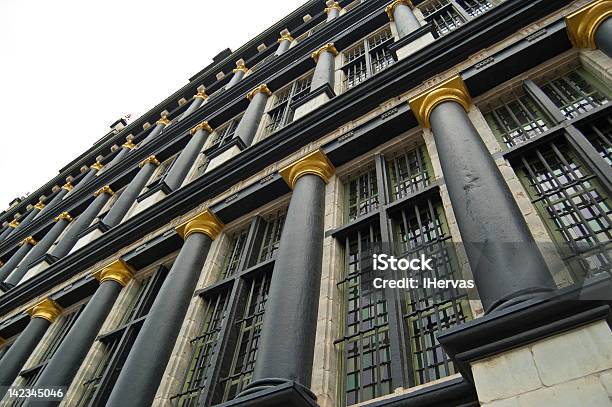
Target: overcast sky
(70, 68)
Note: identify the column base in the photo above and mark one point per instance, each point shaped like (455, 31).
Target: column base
(273, 393)
(313, 100)
(413, 42)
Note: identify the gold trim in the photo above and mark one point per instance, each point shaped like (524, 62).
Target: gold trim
(335, 5)
(202, 126)
(240, 67)
(149, 160)
(129, 144)
(329, 47)
(206, 222)
(29, 240)
(97, 166)
(45, 309)
(118, 271)
(163, 120)
(315, 163)
(391, 7)
(13, 224)
(39, 205)
(583, 23)
(63, 215)
(263, 88)
(285, 37)
(106, 189)
(424, 103)
(200, 95)
(68, 186)
(2, 341)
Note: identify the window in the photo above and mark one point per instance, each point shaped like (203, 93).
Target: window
(282, 112)
(367, 58)
(448, 15)
(225, 133)
(232, 259)
(572, 204)
(203, 347)
(162, 170)
(599, 134)
(362, 194)
(516, 120)
(117, 343)
(271, 236)
(32, 374)
(576, 92)
(408, 172)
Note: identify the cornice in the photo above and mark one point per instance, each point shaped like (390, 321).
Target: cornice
(401, 77)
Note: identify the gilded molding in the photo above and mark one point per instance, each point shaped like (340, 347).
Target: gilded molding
(45, 309)
(39, 205)
(205, 222)
(163, 120)
(118, 271)
(329, 47)
(263, 88)
(97, 166)
(149, 160)
(285, 37)
(583, 23)
(334, 6)
(391, 7)
(129, 144)
(240, 67)
(200, 95)
(315, 163)
(2, 341)
(106, 189)
(67, 186)
(63, 215)
(201, 126)
(13, 224)
(424, 103)
(29, 240)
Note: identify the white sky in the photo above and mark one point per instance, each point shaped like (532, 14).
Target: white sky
(70, 68)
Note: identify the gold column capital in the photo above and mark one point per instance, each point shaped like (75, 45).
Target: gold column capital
(329, 47)
(240, 67)
(106, 189)
(45, 309)
(263, 88)
(2, 341)
(97, 166)
(315, 163)
(163, 120)
(335, 5)
(452, 89)
(201, 126)
(68, 186)
(118, 271)
(149, 160)
(285, 37)
(13, 224)
(201, 95)
(391, 7)
(583, 23)
(29, 240)
(63, 215)
(40, 205)
(129, 144)
(205, 222)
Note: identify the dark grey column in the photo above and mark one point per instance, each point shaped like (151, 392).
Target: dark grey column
(72, 351)
(35, 210)
(181, 166)
(333, 10)
(16, 258)
(506, 264)
(67, 187)
(131, 192)
(603, 37)
(91, 173)
(286, 345)
(159, 127)
(43, 314)
(81, 223)
(40, 249)
(141, 373)
(324, 71)
(198, 100)
(252, 116)
(125, 149)
(239, 73)
(405, 20)
(284, 42)
(9, 229)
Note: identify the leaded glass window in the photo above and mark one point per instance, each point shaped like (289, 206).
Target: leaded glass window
(516, 120)
(362, 194)
(448, 15)
(282, 112)
(271, 236)
(225, 133)
(572, 203)
(408, 172)
(236, 250)
(367, 58)
(576, 92)
(599, 134)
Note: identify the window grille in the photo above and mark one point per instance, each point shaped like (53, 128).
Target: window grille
(408, 172)
(272, 236)
(362, 194)
(282, 111)
(367, 58)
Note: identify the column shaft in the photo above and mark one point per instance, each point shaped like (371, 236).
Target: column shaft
(405, 20)
(122, 153)
(28, 218)
(154, 133)
(195, 103)
(247, 128)
(286, 345)
(238, 75)
(603, 37)
(129, 195)
(142, 373)
(15, 259)
(503, 256)
(91, 173)
(332, 13)
(283, 46)
(324, 71)
(8, 231)
(57, 198)
(181, 166)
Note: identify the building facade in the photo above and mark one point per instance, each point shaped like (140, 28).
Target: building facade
(217, 250)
